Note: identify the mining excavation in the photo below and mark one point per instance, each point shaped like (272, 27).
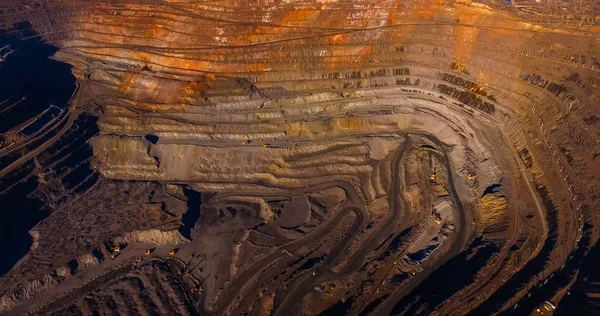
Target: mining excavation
(299, 157)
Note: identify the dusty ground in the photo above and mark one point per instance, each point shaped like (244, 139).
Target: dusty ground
(304, 157)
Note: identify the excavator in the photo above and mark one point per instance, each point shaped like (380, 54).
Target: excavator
(195, 289)
(115, 251)
(437, 218)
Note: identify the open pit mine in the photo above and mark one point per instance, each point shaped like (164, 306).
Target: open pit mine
(299, 157)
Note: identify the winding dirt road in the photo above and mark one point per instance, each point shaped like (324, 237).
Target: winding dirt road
(262, 270)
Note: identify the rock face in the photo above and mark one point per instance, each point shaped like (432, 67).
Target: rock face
(304, 145)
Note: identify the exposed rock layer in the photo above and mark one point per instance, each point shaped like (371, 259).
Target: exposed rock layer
(273, 98)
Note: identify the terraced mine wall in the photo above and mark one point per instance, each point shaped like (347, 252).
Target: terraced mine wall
(301, 134)
(30, 82)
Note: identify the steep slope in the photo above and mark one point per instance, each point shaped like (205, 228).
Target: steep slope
(463, 136)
